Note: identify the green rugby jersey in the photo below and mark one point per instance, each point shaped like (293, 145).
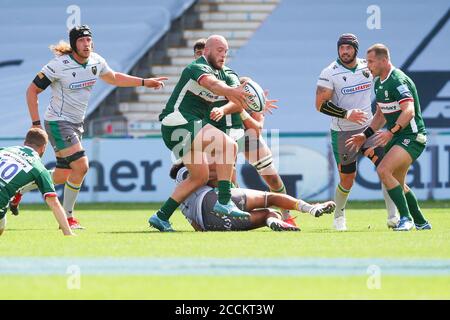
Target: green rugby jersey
(20, 165)
(229, 121)
(189, 100)
(392, 91)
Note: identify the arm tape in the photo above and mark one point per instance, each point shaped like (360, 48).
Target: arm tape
(368, 132)
(330, 109)
(42, 83)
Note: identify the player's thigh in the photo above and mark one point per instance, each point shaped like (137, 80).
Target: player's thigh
(395, 159)
(197, 164)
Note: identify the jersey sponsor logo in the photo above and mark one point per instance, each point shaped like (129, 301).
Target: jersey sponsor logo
(66, 61)
(207, 95)
(82, 84)
(389, 107)
(356, 88)
(11, 165)
(324, 79)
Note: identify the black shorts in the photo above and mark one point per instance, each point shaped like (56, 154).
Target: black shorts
(213, 221)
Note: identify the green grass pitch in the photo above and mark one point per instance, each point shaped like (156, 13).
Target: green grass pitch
(121, 231)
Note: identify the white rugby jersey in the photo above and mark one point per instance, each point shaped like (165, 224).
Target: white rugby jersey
(352, 89)
(192, 206)
(72, 85)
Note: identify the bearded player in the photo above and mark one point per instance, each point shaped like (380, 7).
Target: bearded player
(344, 94)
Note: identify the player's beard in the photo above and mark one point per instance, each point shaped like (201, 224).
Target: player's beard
(213, 63)
(348, 60)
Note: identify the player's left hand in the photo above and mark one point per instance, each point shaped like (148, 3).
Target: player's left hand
(216, 114)
(355, 142)
(156, 83)
(269, 106)
(383, 137)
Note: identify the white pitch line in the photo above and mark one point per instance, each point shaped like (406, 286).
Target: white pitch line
(223, 266)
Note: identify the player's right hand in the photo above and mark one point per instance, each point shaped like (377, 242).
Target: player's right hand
(239, 95)
(355, 142)
(357, 115)
(216, 114)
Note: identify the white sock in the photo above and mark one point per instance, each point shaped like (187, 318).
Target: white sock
(340, 198)
(303, 206)
(390, 205)
(271, 220)
(71, 191)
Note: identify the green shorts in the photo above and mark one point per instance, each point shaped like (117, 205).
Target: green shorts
(414, 144)
(179, 138)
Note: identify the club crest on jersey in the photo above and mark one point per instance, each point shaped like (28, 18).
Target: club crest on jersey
(94, 70)
(406, 142)
(74, 74)
(386, 94)
(345, 78)
(366, 73)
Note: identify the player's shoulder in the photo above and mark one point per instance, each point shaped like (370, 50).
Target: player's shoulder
(362, 63)
(332, 68)
(200, 64)
(58, 62)
(95, 57)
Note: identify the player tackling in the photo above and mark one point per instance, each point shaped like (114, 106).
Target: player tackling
(398, 108)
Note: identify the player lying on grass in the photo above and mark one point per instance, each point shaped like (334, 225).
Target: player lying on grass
(198, 208)
(21, 165)
(245, 127)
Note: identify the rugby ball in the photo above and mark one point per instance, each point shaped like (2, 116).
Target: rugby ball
(257, 100)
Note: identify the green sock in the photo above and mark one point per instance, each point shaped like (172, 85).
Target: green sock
(399, 199)
(224, 187)
(414, 209)
(167, 209)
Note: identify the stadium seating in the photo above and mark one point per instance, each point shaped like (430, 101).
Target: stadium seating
(123, 32)
(298, 40)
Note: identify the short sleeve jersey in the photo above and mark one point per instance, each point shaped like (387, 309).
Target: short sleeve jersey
(72, 84)
(394, 90)
(190, 101)
(19, 166)
(351, 90)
